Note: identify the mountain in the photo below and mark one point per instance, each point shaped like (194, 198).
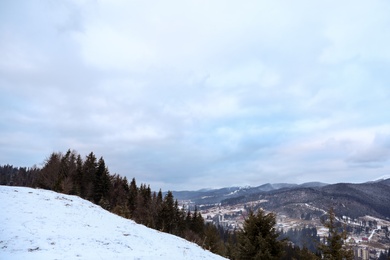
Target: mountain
(353, 200)
(41, 224)
(212, 196)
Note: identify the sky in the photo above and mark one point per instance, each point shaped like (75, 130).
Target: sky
(199, 94)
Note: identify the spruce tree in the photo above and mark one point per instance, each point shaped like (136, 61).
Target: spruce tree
(143, 213)
(197, 223)
(119, 196)
(49, 177)
(157, 211)
(79, 188)
(259, 239)
(212, 240)
(64, 185)
(179, 221)
(132, 198)
(168, 213)
(333, 248)
(101, 183)
(89, 172)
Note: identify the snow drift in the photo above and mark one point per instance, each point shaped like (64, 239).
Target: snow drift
(41, 224)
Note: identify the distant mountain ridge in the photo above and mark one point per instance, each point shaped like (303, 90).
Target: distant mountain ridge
(207, 196)
(354, 200)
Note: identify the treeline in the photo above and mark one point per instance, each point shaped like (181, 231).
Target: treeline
(306, 237)
(90, 179)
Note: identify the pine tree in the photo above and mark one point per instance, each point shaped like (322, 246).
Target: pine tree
(132, 198)
(259, 239)
(179, 222)
(89, 173)
(119, 195)
(212, 240)
(197, 223)
(64, 183)
(69, 185)
(156, 213)
(79, 188)
(188, 219)
(231, 245)
(101, 184)
(167, 213)
(143, 213)
(49, 177)
(333, 248)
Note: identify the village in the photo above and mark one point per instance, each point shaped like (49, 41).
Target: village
(367, 236)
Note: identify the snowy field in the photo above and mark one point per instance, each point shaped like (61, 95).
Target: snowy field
(40, 224)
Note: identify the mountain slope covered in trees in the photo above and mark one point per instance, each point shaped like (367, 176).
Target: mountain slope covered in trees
(90, 179)
(353, 200)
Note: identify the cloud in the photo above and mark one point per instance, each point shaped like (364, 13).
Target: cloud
(376, 153)
(361, 39)
(199, 94)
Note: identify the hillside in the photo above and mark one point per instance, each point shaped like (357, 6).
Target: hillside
(353, 200)
(41, 224)
(211, 196)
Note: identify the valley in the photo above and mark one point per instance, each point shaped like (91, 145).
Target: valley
(299, 207)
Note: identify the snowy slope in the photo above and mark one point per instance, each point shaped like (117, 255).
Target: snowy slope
(40, 224)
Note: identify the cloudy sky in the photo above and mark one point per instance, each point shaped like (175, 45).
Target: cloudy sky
(194, 94)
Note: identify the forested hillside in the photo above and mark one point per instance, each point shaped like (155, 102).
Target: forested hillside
(90, 179)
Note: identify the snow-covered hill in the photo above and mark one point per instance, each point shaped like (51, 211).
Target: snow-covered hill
(40, 224)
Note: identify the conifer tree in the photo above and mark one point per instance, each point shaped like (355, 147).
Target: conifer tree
(69, 184)
(197, 223)
(64, 172)
(259, 239)
(157, 215)
(143, 213)
(179, 221)
(119, 196)
(89, 172)
(212, 240)
(188, 219)
(101, 183)
(167, 213)
(132, 199)
(333, 248)
(79, 187)
(49, 175)
(231, 245)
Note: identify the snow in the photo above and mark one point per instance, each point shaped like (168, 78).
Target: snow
(41, 224)
(315, 208)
